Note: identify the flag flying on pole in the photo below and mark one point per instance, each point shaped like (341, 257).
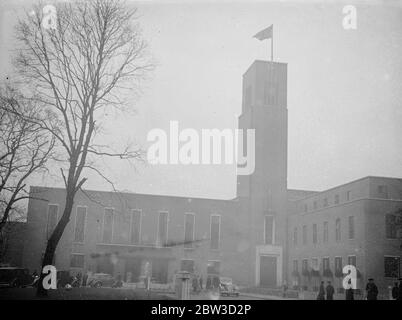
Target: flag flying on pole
(265, 34)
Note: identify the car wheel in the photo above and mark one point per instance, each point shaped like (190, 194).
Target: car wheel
(98, 285)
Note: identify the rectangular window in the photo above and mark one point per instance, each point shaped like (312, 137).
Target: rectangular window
(77, 261)
(268, 229)
(352, 260)
(305, 265)
(187, 265)
(108, 225)
(351, 227)
(295, 236)
(383, 192)
(338, 266)
(336, 201)
(325, 263)
(315, 205)
(314, 233)
(80, 218)
(163, 229)
(136, 226)
(392, 267)
(295, 266)
(305, 207)
(304, 235)
(338, 230)
(348, 195)
(213, 267)
(52, 218)
(215, 229)
(189, 222)
(325, 236)
(325, 202)
(390, 226)
(315, 265)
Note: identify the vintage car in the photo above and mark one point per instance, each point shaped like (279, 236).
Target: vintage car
(15, 277)
(227, 288)
(98, 280)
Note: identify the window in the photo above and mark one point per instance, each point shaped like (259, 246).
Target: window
(77, 261)
(304, 235)
(80, 224)
(305, 207)
(108, 225)
(338, 266)
(382, 191)
(189, 221)
(390, 226)
(215, 229)
(338, 229)
(136, 226)
(187, 265)
(352, 260)
(348, 196)
(295, 236)
(325, 263)
(351, 227)
(163, 220)
(213, 267)
(325, 202)
(325, 235)
(305, 265)
(295, 266)
(392, 267)
(315, 205)
(269, 230)
(315, 264)
(314, 233)
(52, 217)
(336, 201)
(121, 227)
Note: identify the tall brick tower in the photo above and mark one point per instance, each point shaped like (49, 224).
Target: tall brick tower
(262, 194)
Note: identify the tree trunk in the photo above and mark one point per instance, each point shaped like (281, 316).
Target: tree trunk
(54, 240)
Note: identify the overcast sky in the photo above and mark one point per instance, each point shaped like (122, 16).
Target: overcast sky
(344, 89)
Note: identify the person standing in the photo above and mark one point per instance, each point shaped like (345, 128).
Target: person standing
(395, 291)
(321, 292)
(400, 290)
(372, 290)
(330, 291)
(200, 282)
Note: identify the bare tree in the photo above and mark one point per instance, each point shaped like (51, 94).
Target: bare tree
(24, 150)
(79, 68)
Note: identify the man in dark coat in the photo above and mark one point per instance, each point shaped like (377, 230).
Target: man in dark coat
(330, 291)
(321, 292)
(372, 290)
(395, 291)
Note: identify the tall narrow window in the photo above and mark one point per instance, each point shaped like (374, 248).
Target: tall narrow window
(325, 202)
(189, 222)
(80, 224)
(268, 229)
(338, 229)
(295, 266)
(107, 225)
(314, 233)
(304, 235)
(352, 260)
(348, 195)
(351, 227)
(304, 265)
(295, 236)
(336, 201)
(315, 205)
(325, 235)
(383, 192)
(338, 267)
(390, 226)
(52, 217)
(325, 263)
(163, 229)
(305, 207)
(215, 231)
(136, 226)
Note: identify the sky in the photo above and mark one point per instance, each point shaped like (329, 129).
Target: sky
(344, 89)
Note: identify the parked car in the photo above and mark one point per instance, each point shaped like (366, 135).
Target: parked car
(227, 288)
(15, 277)
(101, 280)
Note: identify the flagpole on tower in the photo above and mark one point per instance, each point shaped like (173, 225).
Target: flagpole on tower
(267, 33)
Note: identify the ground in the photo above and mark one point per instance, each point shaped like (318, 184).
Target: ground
(84, 293)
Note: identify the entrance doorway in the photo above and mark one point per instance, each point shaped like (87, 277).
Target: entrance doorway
(268, 271)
